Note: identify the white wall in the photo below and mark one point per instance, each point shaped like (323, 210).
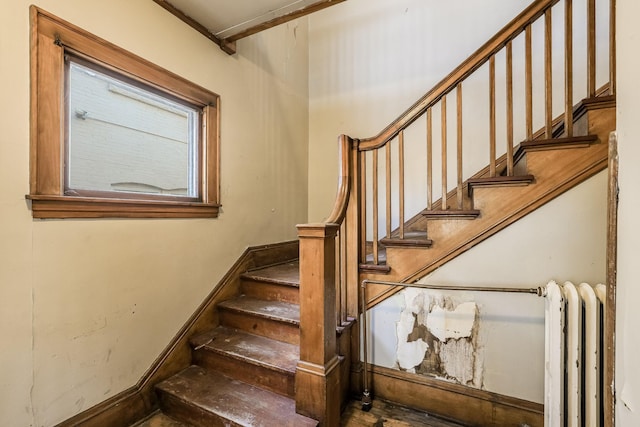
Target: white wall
(563, 240)
(87, 305)
(628, 291)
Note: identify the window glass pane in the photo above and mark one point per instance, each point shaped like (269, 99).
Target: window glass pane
(126, 138)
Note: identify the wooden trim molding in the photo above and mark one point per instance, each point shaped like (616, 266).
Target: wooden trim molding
(139, 401)
(51, 39)
(612, 270)
(91, 207)
(462, 404)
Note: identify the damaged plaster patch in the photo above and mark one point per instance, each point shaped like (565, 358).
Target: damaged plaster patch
(438, 337)
(458, 359)
(410, 353)
(458, 323)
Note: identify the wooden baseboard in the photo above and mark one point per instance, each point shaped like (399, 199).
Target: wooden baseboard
(456, 402)
(121, 410)
(137, 402)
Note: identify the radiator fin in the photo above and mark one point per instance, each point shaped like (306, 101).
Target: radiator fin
(573, 354)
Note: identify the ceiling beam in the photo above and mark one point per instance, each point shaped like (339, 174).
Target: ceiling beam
(228, 44)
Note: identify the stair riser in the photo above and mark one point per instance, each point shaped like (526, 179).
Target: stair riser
(265, 327)
(270, 291)
(188, 413)
(261, 376)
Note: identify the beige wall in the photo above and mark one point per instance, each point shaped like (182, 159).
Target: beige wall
(87, 305)
(628, 292)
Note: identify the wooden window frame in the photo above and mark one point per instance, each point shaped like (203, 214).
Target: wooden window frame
(50, 38)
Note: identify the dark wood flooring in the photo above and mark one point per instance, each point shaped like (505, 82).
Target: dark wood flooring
(382, 414)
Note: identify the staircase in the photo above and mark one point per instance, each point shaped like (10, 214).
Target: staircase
(545, 168)
(243, 370)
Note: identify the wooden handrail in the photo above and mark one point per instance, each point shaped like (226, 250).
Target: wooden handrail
(446, 85)
(344, 180)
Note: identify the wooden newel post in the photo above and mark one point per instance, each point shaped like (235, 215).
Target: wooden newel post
(318, 373)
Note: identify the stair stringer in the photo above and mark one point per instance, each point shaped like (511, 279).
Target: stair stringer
(555, 170)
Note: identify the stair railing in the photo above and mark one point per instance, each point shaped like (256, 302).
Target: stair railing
(332, 253)
(384, 185)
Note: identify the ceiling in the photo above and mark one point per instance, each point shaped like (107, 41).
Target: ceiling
(225, 21)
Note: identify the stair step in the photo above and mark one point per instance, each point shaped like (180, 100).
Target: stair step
(275, 283)
(559, 143)
(253, 359)
(374, 268)
(451, 214)
(272, 319)
(205, 399)
(499, 181)
(368, 265)
(554, 144)
(410, 239)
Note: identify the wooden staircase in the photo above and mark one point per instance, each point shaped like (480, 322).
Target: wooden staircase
(243, 370)
(545, 169)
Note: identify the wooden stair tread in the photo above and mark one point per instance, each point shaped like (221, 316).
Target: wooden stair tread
(411, 239)
(368, 264)
(451, 214)
(275, 310)
(218, 398)
(559, 143)
(553, 144)
(249, 348)
(287, 274)
(375, 268)
(500, 180)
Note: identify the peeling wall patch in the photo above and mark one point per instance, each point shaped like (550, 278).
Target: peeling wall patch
(438, 337)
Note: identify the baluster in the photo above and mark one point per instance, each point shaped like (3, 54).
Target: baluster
(492, 116)
(338, 273)
(591, 48)
(375, 206)
(459, 154)
(568, 68)
(612, 47)
(387, 151)
(443, 115)
(429, 160)
(548, 112)
(528, 76)
(509, 71)
(401, 182)
(343, 273)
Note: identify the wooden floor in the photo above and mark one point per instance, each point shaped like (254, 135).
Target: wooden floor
(382, 414)
(386, 414)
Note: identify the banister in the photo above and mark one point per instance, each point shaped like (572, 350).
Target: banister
(464, 70)
(344, 181)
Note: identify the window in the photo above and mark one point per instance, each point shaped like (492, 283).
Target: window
(113, 135)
